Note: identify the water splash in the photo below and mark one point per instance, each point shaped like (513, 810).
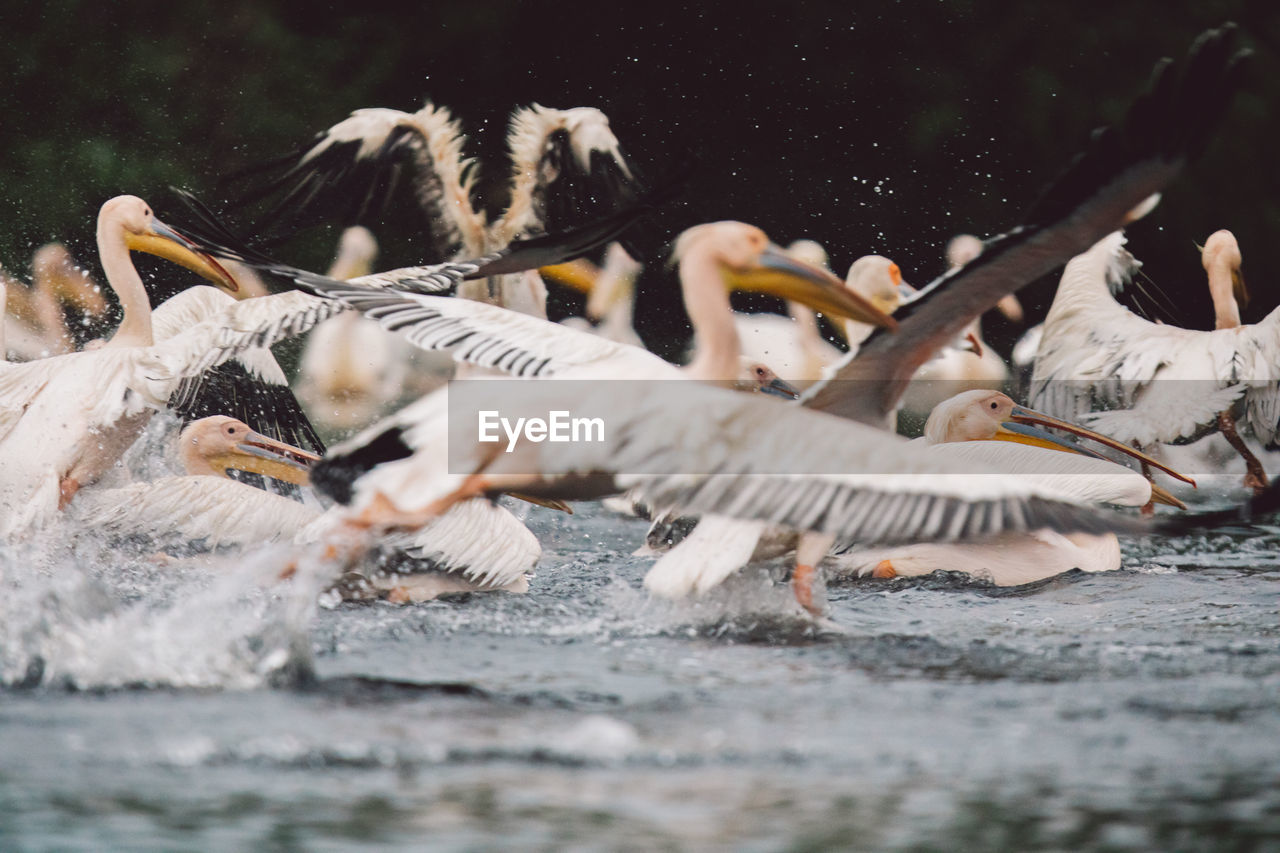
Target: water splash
(80, 615)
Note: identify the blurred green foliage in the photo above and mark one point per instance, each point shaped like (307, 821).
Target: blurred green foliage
(880, 127)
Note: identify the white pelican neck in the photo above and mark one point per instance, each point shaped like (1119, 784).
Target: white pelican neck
(719, 353)
(123, 278)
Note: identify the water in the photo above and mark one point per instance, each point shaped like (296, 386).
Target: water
(176, 707)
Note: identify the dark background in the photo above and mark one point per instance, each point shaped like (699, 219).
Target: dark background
(884, 129)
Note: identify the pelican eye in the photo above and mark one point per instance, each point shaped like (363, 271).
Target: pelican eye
(994, 405)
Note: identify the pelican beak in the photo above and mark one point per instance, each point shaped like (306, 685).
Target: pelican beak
(972, 344)
(778, 274)
(778, 388)
(549, 503)
(259, 454)
(581, 274)
(1021, 427)
(1160, 496)
(1238, 290)
(163, 242)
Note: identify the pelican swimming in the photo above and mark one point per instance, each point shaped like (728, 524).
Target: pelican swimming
(205, 504)
(977, 425)
(971, 428)
(206, 507)
(1169, 384)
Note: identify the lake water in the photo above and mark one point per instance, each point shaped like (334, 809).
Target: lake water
(191, 707)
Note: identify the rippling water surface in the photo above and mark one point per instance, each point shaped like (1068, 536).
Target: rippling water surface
(176, 706)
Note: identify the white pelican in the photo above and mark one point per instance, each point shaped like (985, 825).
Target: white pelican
(205, 504)
(65, 420)
(793, 344)
(350, 369)
(717, 546)
(566, 169)
(968, 426)
(207, 507)
(36, 321)
(1172, 384)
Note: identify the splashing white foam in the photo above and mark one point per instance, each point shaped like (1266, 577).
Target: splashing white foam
(78, 614)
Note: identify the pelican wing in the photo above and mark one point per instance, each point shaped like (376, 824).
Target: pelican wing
(1122, 166)
(1166, 384)
(348, 174)
(251, 386)
(485, 335)
(567, 168)
(482, 540)
(734, 455)
(212, 510)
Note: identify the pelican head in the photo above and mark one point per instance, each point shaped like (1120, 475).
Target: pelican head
(878, 280)
(992, 416)
(748, 261)
(961, 249)
(54, 270)
(809, 251)
(143, 232)
(213, 445)
(357, 250)
(760, 377)
(1222, 250)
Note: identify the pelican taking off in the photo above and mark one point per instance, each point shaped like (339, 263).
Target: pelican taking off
(1171, 384)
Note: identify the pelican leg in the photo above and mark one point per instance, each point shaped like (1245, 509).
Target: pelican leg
(67, 488)
(1256, 477)
(884, 570)
(809, 553)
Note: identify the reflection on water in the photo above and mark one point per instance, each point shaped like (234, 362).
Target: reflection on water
(1128, 711)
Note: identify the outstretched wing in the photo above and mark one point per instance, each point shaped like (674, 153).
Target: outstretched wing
(1122, 166)
(567, 168)
(349, 173)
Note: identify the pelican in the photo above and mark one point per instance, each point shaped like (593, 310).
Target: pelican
(793, 344)
(960, 368)
(1172, 385)
(36, 324)
(970, 428)
(207, 507)
(350, 369)
(566, 168)
(975, 425)
(65, 420)
(205, 504)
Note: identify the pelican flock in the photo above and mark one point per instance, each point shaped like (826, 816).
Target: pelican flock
(822, 480)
